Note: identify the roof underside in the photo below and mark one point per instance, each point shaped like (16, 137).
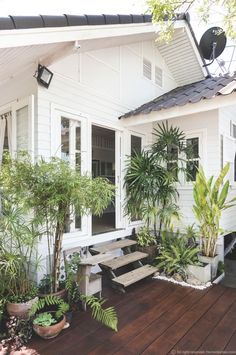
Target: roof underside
(191, 93)
(26, 41)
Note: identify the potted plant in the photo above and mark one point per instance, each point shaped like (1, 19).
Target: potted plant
(45, 284)
(50, 322)
(209, 202)
(146, 243)
(175, 255)
(18, 259)
(52, 190)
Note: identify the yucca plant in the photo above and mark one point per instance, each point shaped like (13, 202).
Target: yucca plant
(210, 201)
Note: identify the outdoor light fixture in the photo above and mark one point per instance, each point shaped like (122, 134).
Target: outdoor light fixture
(44, 76)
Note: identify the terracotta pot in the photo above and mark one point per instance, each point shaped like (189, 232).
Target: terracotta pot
(50, 332)
(61, 294)
(20, 309)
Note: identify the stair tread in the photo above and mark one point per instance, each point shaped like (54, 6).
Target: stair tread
(123, 260)
(135, 275)
(113, 246)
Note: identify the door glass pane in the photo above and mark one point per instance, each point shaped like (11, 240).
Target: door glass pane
(136, 148)
(103, 164)
(65, 139)
(6, 145)
(136, 145)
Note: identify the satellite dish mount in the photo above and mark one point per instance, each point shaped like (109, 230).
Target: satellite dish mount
(212, 44)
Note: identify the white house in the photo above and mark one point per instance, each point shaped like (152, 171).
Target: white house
(104, 67)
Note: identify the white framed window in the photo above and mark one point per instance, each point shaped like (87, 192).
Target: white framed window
(147, 69)
(136, 146)
(193, 158)
(190, 161)
(71, 152)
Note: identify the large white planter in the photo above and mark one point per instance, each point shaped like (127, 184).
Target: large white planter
(200, 272)
(212, 261)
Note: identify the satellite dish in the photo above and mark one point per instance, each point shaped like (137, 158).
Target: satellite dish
(212, 43)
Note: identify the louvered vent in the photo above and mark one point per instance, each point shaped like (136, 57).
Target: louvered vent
(158, 76)
(147, 69)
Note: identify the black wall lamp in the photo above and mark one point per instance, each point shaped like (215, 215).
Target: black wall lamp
(44, 76)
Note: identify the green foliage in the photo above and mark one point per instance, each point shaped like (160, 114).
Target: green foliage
(221, 267)
(72, 287)
(151, 183)
(2, 309)
(44, 319)
(106, 316)
(145, 238)
(164, 13)
(175, 254)
(210, 201)
(18, 252)
(53, 190)
(50, 301)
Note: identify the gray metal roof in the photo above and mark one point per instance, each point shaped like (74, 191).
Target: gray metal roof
(23, 22)
(191, 93)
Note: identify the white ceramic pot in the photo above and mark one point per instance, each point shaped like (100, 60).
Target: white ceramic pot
(200, 272)
(213, 261)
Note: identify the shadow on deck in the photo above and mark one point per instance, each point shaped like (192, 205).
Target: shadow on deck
(155, 317)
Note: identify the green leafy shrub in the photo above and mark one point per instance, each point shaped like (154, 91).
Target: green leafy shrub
(175, 254)
(210, 201)
(145, 238)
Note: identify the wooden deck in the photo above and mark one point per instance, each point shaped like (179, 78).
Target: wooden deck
(155, 317)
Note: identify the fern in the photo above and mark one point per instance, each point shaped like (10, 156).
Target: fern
(50, 300)
(106, 316)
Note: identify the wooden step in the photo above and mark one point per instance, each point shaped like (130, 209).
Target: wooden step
(123, 243)
(123, 260)
(133, 276)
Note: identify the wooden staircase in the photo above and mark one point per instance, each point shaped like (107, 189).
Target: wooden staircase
(133, 258)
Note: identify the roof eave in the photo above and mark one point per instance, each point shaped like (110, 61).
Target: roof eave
(216, 102)
(34, 36)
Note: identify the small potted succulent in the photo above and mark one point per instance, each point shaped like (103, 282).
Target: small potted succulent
(50, 322)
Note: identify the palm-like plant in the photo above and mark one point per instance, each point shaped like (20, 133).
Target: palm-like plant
(151, 178)
(210, 201)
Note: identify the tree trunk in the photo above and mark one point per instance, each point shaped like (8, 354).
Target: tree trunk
(57, 255)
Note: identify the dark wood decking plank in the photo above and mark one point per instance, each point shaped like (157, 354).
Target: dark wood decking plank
(158, 327)
(201, 330)
(134, 325)
(231, 346)
(90, 327)
(221, 335)
(164, 343)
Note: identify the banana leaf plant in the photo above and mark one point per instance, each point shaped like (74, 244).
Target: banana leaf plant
(210, 201)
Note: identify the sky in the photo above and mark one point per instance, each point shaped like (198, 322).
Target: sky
(78, 7)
